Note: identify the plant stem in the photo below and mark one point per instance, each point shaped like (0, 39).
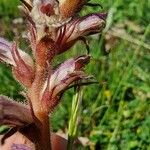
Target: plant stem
(73, 122)
(40, 111)
(45, 143)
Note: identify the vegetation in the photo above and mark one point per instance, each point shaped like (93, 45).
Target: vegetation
(116, 112)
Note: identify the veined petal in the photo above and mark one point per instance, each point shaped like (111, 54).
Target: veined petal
(68, 34)
(23, 67)
(13, 113)
(92, 23)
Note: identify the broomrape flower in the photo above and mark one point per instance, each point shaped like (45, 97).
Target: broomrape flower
(54, 26)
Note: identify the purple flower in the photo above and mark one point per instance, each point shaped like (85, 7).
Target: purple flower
(66, 74)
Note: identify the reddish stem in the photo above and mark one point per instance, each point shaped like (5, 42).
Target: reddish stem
(39, 109)
(45, 141)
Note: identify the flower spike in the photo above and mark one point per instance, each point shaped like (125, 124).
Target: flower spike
(54, 26)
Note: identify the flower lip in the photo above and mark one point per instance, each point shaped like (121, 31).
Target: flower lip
(81, 61)
(102, 15)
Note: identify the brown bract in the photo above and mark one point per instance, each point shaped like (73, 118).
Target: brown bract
(69, 8)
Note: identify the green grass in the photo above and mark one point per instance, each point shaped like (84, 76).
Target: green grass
(115, 113)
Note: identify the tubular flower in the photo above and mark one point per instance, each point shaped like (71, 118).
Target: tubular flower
(67, 73)
(54, 26)
(78, 28)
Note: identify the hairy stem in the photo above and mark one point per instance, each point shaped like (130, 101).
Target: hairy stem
(45, 50)
(45, 142)
(39, 111)
(39, 108)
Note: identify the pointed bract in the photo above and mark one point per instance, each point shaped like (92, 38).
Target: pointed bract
(22, 71)
(23, 67)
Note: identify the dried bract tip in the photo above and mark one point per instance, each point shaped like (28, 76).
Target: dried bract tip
(69, 8)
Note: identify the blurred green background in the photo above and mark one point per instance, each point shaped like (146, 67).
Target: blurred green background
(115, 113)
